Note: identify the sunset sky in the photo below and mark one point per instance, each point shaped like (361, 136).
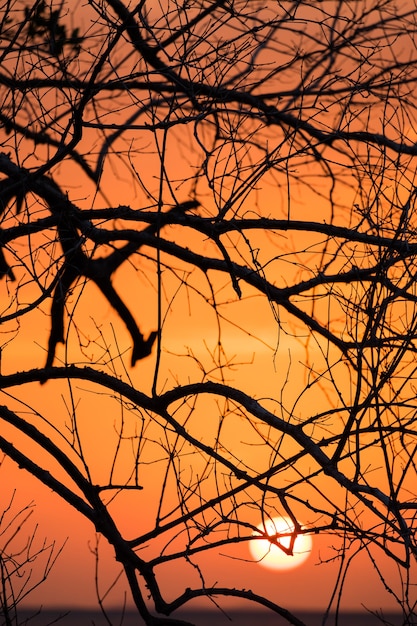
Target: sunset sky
(215, 327)
(260, 372)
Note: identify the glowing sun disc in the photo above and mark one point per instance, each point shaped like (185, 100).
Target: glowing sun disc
(270, 555)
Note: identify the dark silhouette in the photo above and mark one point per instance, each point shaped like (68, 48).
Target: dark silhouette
(251, 168)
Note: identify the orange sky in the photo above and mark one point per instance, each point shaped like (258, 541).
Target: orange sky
(259, 371)
(72, 579)
(273, 366)
(265, 358)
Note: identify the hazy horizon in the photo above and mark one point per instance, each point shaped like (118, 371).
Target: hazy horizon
(200, 617)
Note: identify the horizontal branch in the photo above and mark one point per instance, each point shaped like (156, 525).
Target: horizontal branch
(159, 405)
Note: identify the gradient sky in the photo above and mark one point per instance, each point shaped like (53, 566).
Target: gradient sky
(72, 579)
(273, 366)
(260, 369)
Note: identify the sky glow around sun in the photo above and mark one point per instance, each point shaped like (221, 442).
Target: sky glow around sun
(272, 556)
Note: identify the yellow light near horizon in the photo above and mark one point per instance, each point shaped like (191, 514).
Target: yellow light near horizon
(272, 556)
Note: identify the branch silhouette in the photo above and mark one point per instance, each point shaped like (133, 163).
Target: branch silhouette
(77, 264)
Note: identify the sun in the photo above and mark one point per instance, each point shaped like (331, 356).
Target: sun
(273, 557)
